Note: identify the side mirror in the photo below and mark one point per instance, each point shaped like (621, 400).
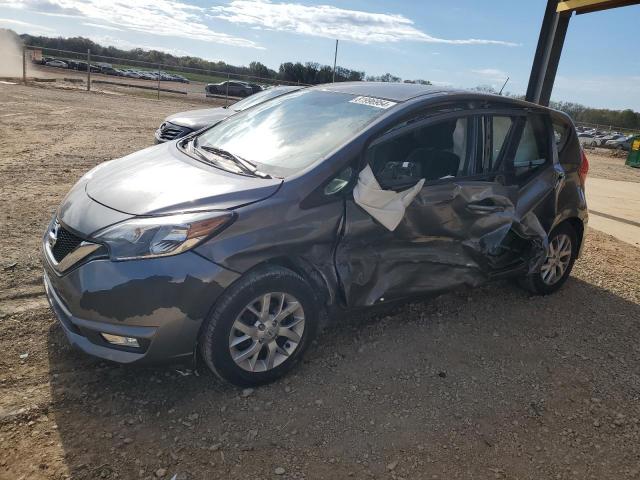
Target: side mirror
(338, 183)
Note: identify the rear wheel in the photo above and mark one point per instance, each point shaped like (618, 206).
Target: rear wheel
(563, 249)
(260, 328)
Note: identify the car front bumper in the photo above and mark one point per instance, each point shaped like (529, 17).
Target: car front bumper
(160, 302)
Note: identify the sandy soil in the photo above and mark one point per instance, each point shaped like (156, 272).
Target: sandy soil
(609, 164)
(489, 383)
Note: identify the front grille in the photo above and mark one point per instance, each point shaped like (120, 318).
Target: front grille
(169, 131)
(66, 243)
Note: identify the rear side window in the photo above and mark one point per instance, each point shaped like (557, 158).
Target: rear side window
(495, 130)
(533, 149)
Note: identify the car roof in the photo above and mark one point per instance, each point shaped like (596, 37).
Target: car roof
(397, 92)
(402, 92)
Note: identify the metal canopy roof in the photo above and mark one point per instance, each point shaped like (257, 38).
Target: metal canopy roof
(552, 35)
(588, 6)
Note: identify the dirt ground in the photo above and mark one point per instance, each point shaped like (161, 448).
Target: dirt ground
(609, 164)
(489, 383)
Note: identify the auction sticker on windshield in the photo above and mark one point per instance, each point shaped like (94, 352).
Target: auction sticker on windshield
(373, 102)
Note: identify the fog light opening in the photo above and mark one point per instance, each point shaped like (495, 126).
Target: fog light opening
(121, 341)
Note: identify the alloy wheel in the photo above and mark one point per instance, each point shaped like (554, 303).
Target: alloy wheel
(558, 259)
(267, 332)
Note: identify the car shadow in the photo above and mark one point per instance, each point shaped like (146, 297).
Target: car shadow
(136, 422)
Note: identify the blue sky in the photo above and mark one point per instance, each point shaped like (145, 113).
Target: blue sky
(464, 43)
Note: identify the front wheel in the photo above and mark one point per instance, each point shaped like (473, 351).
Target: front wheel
(563, 249)
(260, 328)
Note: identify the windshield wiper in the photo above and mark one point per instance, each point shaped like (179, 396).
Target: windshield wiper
(244, 164)
(192, 147)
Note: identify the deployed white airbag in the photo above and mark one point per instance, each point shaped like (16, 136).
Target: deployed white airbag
(386, 206)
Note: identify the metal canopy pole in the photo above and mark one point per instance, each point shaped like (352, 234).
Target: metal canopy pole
(552, 35)
(545, 63)
(88, 69)
(335, 59)
(554, 58)
(24, 65)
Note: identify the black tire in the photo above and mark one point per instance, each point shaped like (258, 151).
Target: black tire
(214, 336)
(534, 282)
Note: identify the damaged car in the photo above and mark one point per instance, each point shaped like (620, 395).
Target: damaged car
(234, 244)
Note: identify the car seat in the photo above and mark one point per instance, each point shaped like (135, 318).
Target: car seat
(435, 154)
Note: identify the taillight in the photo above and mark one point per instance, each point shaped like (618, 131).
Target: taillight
(584, 168)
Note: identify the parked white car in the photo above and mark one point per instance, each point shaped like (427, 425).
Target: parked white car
(587, 140)
(57, 63)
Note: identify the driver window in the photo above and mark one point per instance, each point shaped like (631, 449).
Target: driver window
(433, 152)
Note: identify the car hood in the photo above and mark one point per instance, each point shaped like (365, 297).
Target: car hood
(197, 119)
(162, 179)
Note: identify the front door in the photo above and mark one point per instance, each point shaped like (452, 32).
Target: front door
(457, 230)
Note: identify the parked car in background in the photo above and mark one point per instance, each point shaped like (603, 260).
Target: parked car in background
(587, 140)
(57, 63)
(130, 73)
(603, 139)
(237, 241)
(180, 78)
(108, 70)
(180, 124)
(233, 88)
(82, 67)
(619, 143)
(145, 75)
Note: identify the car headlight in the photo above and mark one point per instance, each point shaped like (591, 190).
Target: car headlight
(161, 236)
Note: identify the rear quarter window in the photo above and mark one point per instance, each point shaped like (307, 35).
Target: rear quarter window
(560, 133)
(566, 142)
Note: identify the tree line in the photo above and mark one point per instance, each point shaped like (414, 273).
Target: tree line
(312, 73)
(625, 119)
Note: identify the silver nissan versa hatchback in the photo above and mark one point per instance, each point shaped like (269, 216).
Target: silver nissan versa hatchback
(236, 242)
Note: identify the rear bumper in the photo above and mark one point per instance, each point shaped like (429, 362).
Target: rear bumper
(160, 302)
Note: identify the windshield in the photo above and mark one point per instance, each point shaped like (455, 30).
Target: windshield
(260, 97)
(293, 131)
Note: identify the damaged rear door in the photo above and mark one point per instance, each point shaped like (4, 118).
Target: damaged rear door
(463, 226)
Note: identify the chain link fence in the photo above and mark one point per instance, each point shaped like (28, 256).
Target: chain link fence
(86, 70)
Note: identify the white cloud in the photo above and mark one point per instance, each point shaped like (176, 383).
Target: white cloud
(104, 27)
(20, 23)
(333, 22)
(107, 40)
(171, 18)
(491, 74)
